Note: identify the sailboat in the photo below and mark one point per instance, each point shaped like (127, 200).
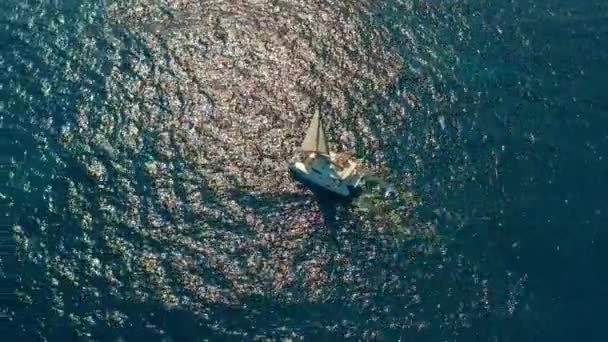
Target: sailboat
(322, 168)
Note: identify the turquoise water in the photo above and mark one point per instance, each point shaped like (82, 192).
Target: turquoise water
(144, 148)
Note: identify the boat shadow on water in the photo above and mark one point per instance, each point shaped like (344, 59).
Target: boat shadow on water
(338, 212)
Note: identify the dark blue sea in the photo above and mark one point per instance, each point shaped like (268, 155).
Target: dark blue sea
(145, 194)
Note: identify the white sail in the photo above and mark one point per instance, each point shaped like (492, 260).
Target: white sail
(316, 139)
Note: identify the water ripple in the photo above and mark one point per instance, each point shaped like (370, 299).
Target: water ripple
(154, 188)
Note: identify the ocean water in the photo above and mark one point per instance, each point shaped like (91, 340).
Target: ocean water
(144, 191)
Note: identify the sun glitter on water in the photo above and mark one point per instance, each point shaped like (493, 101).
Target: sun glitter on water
(156, 181)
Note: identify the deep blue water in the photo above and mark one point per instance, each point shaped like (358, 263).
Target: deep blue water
(144, 187)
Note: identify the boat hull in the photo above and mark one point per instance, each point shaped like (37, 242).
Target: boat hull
(332, 187)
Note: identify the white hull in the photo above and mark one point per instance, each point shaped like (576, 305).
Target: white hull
(322, 180)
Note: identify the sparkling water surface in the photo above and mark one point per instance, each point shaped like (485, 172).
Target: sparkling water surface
(145, 192)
